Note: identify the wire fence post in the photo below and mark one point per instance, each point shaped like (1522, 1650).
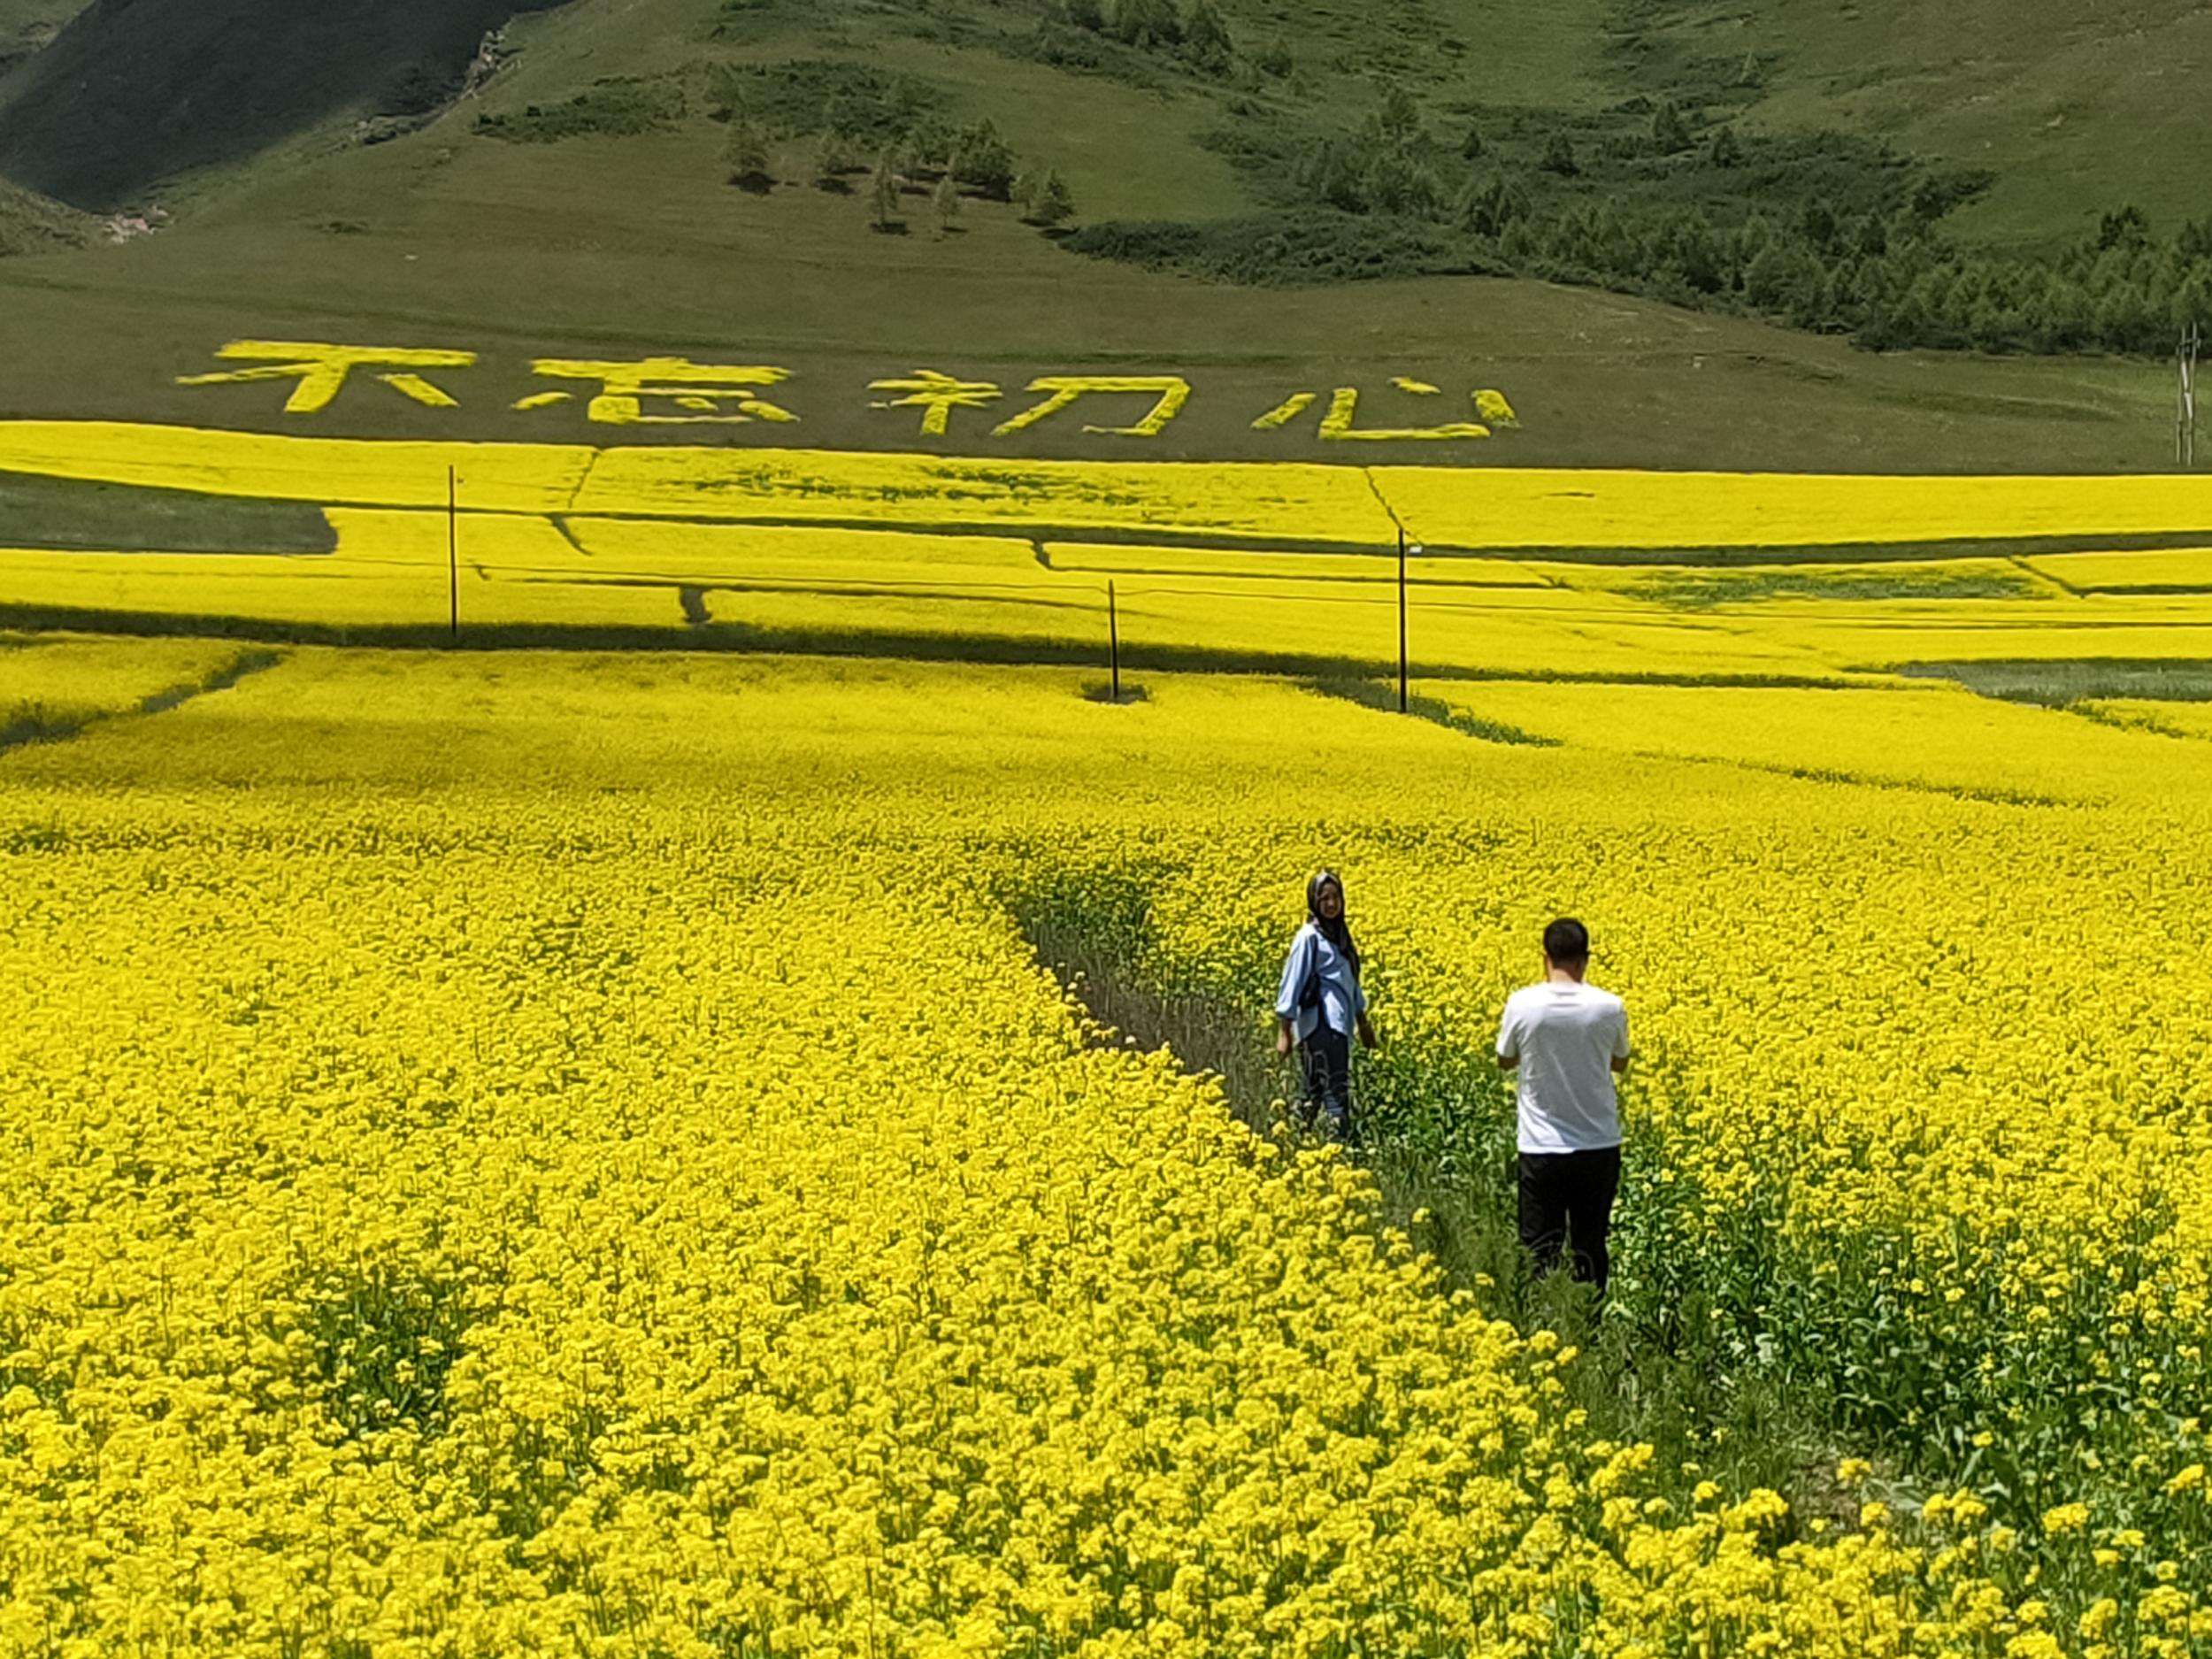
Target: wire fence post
(1401, 619)
(453, 554)
(1113, 637)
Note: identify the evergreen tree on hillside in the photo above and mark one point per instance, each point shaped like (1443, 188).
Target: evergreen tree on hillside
(1929, 201)
(1724, 151)
(1328, 171)
(1669, 131)
(2070, 315)
(1612, 244)
(1695, 251)
(1814, 306)
(1393, 182)
(984, 160)
(2126, 227)
(1206, 42)
(1903, 323)
(1816, 223)
(833, 159)
(747, 149)
(1493, 203)
(2192, 303)
(883, 192)
(1752, 236)
(1559, 157)
(2042, 325)
(1472, 146)
(1147, 24)
(1398, 119)
(1987, 326)
(1052, 202)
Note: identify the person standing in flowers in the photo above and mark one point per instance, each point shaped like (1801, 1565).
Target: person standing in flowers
(1566, 1039)
(1320, 1004)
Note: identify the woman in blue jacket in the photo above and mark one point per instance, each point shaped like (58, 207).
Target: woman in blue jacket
(1321, 1003)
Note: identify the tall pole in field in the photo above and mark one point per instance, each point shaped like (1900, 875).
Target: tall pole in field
(1401, 619)
(1113, 637)
(2185, 403)
(453, 554)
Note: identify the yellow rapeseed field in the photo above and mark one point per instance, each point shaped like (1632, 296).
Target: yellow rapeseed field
(50, 685)
(1518, 572)
(569, 1153)
(516, 1152)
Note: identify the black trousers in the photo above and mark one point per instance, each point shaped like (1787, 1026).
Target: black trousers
(1326, 1057)
(1568, 1197)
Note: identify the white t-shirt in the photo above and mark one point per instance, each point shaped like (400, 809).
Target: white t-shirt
(1566, 1038)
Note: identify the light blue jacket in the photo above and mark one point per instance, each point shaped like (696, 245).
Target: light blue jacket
(1342, 999)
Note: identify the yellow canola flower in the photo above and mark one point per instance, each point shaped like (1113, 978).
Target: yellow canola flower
(1541, 507)
(571, 1152)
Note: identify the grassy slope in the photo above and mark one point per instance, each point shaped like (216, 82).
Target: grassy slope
(628, 245)
(32, 223)
(29, 23)
(2076, 109)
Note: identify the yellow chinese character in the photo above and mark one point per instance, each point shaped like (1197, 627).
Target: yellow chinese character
(322, 369)
(937, 396)
(1286, 411)
(703, 389)
(1336, 424)
(1171, 390)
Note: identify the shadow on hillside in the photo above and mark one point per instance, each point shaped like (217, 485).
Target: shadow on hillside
(136, 92)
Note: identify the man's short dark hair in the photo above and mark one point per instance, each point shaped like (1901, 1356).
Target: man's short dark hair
(1567, 942)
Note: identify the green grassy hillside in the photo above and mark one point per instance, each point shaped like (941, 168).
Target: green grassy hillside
(26, 26)
(2075, 108)
(32, 223)
(591, 201)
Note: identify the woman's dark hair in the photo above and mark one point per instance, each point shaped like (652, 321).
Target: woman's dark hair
(1334, 929)
(1567, 942)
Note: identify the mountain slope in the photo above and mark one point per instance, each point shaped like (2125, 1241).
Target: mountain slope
(135, 92)
(2078, 110)
(28, 25)
(536, 219)
(31, 223)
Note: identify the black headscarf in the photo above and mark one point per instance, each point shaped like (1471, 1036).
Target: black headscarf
(1336, 931)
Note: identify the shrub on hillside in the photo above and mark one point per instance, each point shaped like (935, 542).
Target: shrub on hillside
(1286, 250)
(1147, 24)
(1046, 199)
(621, 108)
(747, 154)
(983, 160)
(808, 95)
(1206, 43)
(1820, 231)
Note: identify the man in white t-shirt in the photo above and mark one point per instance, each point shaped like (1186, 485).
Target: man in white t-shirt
(1566, 1039)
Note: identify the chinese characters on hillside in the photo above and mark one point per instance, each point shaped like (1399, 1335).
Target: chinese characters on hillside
(676, 392)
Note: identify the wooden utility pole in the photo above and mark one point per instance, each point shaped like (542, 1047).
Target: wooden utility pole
(453, 554)
(2185, 398)
(1113, 638)
(1401, 619)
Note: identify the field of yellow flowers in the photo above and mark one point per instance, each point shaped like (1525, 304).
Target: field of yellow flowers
(563, 1153)
(1772, 577)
